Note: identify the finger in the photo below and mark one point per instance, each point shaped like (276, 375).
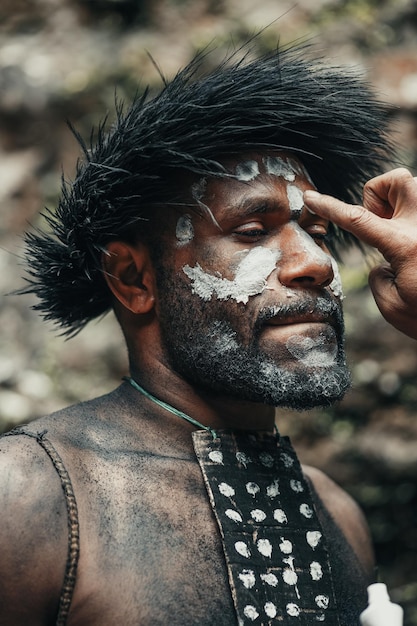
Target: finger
(390, 194)
(353, 218)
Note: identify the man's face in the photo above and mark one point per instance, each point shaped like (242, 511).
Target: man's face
(249, 296)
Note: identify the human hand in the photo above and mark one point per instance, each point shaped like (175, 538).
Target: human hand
(388, 221)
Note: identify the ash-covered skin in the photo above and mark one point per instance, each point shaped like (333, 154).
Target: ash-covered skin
(222, 344)
(295, 201)
(314, 352)
(184, 231)
(247, 170)
(198, 189)
(307, 245)
(250, 277)
(336, 284)
(278, 166)
(218, 345)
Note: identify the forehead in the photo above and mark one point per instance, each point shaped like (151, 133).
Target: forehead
(275, 177)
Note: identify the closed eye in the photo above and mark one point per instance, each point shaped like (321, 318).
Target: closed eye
(319, 233)
(251, 231)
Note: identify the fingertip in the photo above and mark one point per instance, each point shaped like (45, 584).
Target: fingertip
(311, 194)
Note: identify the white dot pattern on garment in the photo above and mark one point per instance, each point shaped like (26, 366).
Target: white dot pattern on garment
(234, 515)
(252, 488)
(216, 456)
(264, 546)
(247, 577)
(306, 510)
(313, 538)
(226, 490)
(272, 491)
(270, 579)
(258, 515)
(285, 546)
(275, 550)
(242, 458)
(290, 576)
(316, 570)
(250, 612)
(280, 516)
(296, 485)
(242, 548)
(270, 609)
(293, 609)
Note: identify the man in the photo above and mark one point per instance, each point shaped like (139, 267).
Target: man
(172, 500)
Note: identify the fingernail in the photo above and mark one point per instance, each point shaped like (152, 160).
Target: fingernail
(311, 194)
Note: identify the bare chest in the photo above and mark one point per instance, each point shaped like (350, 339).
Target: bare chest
(150, 550)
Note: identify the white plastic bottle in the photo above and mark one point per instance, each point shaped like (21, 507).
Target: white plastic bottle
(381, 611)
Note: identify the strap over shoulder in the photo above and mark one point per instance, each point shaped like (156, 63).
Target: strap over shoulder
(67, 590)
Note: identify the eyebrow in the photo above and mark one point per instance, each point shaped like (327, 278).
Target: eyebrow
(251, 206)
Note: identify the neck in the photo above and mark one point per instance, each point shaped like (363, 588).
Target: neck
(211, 410)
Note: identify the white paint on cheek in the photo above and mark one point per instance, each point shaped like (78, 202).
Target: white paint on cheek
(336, 284)
(276, 166)
(247, 171)
(312, 352)
(250, 277)
(184, 231)
(295, 201)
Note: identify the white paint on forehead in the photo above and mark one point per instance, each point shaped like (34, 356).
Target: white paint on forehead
(250, 277)
(300, 169)
(198, 189)
(247, 171)
(295, 201)
(184, 231)
(336, 284)
(277, 166)
(312, 352)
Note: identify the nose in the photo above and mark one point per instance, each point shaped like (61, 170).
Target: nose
(303, 263)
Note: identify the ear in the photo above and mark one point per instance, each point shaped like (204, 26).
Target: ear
(129, 274)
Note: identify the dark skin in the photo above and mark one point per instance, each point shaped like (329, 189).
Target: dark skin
(149, 543)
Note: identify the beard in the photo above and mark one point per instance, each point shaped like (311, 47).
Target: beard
(217, 346)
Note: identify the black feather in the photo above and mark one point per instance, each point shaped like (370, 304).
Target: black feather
(327, 116)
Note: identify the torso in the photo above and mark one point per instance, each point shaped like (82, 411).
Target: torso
(150, 549)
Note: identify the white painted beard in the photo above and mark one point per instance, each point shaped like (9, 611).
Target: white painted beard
(215, 361)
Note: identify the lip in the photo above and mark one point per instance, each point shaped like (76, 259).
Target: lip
(299, 319)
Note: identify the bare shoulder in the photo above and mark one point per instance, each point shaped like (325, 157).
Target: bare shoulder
(33, 533)
(346, 513)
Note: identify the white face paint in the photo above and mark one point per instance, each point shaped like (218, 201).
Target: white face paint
(276, 166)
(184, 231)
(198, 189)
(247, 171)
(336, 284)
(299, 169)
(313, 351)
(307, 245)
(295, 201)
(250, 277)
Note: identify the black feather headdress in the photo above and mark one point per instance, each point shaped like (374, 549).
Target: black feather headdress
(326, 116)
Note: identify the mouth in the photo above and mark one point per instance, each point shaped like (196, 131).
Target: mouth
(321, 311)
(300, 319)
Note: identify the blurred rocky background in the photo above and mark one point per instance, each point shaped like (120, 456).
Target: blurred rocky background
(64, 60)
